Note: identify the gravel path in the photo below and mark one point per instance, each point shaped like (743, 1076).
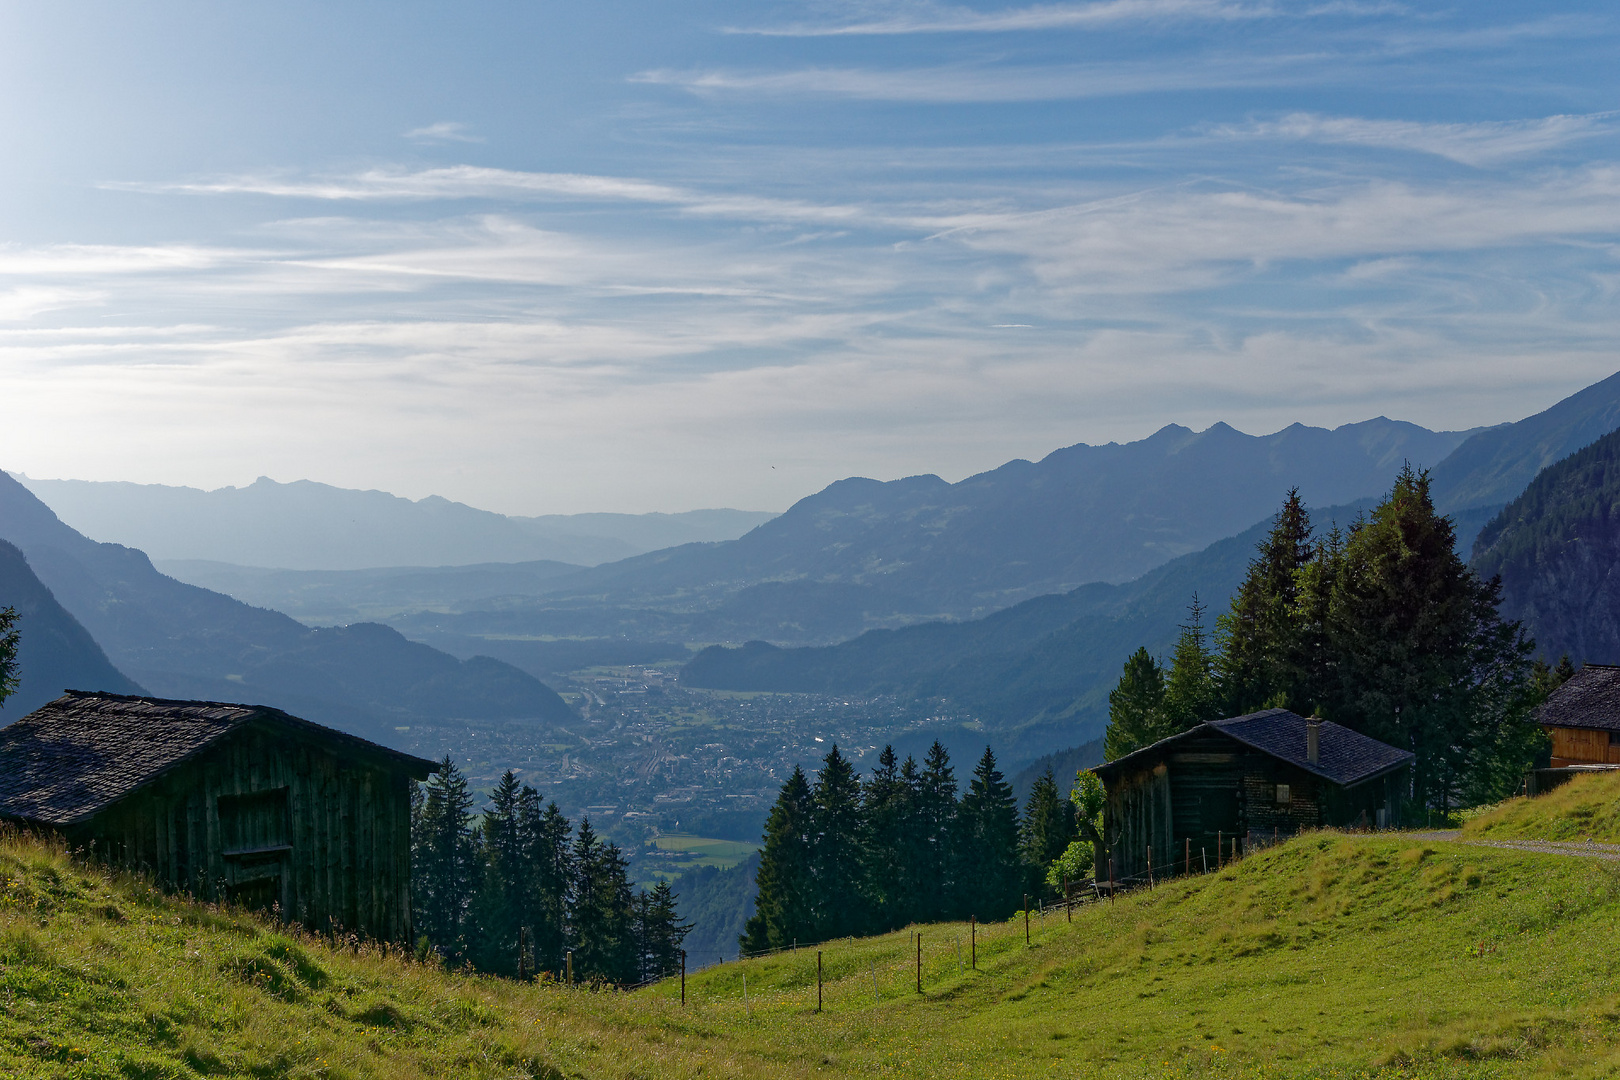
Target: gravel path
(1585, 848)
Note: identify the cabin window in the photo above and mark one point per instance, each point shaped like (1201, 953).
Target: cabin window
(1614, 738)
(254, 822)
(1284, 795)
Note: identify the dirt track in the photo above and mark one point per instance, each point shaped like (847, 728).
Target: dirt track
(1584, 848)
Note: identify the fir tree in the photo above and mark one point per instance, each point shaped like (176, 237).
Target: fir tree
(502, 905)
(991, 877)
(783, 908)
(836, 858)
(1048, 827)
(886, 812)
(545, 838)
(1136, 707)
(445, 860)
(1189, 691)
(936, 858)
(1261, 656)
(1423, 659)
(658, 932)
(602, 913)
(9, 640)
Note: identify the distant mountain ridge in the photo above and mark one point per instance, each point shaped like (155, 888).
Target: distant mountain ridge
(54, 652)
(306, 525)
(866, 553)
(181, 641)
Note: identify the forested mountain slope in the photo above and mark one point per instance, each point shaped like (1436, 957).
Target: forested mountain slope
(181, 641)
(54, 653)
(1557, 549)
(1038, 673)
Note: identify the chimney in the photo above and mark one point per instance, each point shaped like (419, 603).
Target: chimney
(1313, 739)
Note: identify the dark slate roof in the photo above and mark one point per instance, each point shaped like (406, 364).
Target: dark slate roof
(73, 757)
(1590, 699)
(1344, 756)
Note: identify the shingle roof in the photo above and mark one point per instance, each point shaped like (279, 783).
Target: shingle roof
(1589, 699)
(1344, 756)
(73, 757)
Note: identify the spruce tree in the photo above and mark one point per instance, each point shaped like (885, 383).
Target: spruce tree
(503, 895)
(659, 933)
(1048, 828)
(886, 811)
(783, 907)
(1135, 707)
(936, 837)
(9, 640)
(545, 837)
(445, 860)
(602, 912)
(836, 859)
(1260, 651)
(990, 879)
(1189, 691)
(1423, 659)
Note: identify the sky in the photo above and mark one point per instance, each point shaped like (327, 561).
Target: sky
(653, 256)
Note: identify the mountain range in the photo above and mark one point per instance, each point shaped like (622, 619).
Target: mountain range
(178, 640)
(310, 526)
(1037, 674)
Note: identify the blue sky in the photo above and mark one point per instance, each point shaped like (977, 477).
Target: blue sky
(654, 256)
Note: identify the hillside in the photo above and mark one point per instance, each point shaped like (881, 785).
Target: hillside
(305, 525)
(180, 641)
(54, 652)
(1586, 808)
(1557, 549)
(1330, 956)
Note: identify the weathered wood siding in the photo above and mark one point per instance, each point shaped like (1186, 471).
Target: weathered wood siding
(270, 820)
(1204, 792)
(1582, 746)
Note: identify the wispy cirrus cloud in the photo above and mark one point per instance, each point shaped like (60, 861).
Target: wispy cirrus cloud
(1478, 143)
(941, 19)
(443, 131)
(983, 83)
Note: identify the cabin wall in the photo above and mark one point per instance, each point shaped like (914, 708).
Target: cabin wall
(265, 819)
(1207, 792)
(1582, 746)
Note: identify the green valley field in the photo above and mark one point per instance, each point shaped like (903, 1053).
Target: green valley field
(1329, 956)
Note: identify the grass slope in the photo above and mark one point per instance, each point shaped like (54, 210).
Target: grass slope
(1588, 807)
(1329, 956)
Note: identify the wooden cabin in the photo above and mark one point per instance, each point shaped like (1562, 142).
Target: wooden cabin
(235, 802)
(1582, 717)
(1244, 780)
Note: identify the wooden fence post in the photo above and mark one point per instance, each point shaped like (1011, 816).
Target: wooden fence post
(683, 976)
(919, 961)
(973, 941)
(818, 980)
(1110, 878)
(570, 967)
(1186, 859)
(1026, 920)
(1150, 865)
(1220, 849)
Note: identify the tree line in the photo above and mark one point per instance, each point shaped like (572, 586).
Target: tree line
(1380, 627)
(852, 857)
(514, 889)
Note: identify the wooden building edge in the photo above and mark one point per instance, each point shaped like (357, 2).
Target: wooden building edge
(224, 801)
(1196, 799)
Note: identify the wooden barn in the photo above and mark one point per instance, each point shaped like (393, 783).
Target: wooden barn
(1244, 780)
(1582, 717)
(237, 802)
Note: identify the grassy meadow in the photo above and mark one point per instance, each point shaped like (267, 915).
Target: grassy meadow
(1330, 956)
(1586, 808)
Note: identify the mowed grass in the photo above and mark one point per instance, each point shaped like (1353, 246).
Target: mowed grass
(706, 851)
(1587, 807)
(1328, 956)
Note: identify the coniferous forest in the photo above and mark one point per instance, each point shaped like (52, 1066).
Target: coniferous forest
(850, 857)
(514, 890)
